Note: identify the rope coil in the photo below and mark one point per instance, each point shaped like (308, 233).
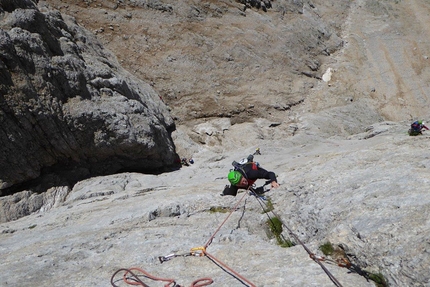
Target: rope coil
(130, 277)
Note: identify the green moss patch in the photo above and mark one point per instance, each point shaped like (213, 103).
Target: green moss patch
(379, 279)
(220, 209)
(269, 205)
(275, 228)
(327, 249)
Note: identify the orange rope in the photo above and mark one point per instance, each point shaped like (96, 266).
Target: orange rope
(130, 282)
(206, 282)
(213, 258)
(135, 280)
(130, 278)
(219, 227)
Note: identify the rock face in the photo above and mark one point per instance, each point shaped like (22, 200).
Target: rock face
(350, 176)
(67, 106)
(210, 58)
(367, 193)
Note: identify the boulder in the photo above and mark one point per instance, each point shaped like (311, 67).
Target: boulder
(66, 104)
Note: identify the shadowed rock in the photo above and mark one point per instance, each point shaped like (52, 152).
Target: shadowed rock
(66, 104)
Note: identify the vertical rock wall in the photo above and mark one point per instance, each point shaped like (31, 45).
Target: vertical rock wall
(66, 105)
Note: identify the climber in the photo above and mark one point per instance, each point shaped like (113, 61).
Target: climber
(245, 175)
(416, 128)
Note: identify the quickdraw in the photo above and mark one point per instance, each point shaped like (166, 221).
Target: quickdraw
(198, 251)
(343, 262)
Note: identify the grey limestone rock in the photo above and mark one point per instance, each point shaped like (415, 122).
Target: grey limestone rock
(65, 103)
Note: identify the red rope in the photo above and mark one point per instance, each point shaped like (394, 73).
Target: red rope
(219, 227)
(131, 278)
(135, 280)
(131, 282)
(206, 282)
(229, 269)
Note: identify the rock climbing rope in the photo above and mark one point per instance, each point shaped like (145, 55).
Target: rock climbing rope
(131, 278)
(317, 259)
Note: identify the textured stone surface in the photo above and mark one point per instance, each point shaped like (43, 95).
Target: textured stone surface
(349, 173)
(212, 59)
(68, 107)
(368, 195)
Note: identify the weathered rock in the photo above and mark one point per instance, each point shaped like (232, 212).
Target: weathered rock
(368, 196)
(67, 104)
(212, 59)
(347, 176)
(27, 202)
